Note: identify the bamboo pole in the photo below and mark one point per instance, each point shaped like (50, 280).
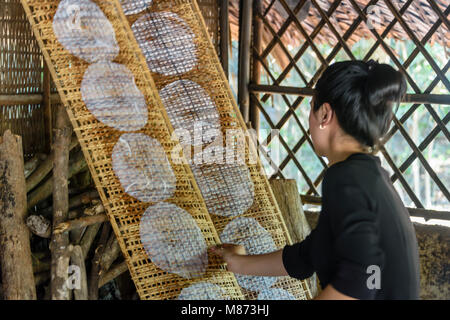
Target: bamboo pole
(24, 99)
(245, 26)
(113, 273)
(46, 101)
(111, 253)
(88, 238)
(15, 253)
(256, 75)
(308, 92)
(96, 270)
(224, 35)
(60, 242)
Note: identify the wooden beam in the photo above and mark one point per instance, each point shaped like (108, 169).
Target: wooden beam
(427, 98)
(429, 214)
(308, 92)
(60, 242)
(20, 99)
(414, 212)
(15, 252)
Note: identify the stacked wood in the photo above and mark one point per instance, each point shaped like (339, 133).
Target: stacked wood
(73, 252)
(96, 263)
(15, 252)
(39, 226)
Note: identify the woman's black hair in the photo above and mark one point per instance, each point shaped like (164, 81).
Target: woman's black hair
(362, 95)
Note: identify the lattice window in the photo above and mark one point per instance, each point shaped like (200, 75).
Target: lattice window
(301, 37)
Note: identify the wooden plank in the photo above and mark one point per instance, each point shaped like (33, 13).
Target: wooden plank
(21, 99)
(414, 212)
(420, 98)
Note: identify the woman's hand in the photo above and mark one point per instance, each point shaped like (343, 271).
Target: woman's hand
(268, 264)
(230, 254)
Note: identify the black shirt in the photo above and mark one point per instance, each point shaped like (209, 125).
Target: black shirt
(363, 226)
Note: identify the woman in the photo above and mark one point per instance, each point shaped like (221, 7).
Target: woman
(364, 245)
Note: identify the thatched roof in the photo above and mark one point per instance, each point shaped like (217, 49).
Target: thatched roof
(419, 16)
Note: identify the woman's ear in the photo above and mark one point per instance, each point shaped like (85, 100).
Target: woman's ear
(326, 115)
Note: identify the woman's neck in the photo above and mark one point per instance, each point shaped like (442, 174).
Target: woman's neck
(341, 148)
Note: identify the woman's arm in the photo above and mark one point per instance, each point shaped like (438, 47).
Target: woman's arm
(330, 293)
(269, 264)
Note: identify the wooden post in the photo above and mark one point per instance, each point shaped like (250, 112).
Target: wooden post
(288, 199)
(256, 75)
(15, 253)
(245, 30)
(77, 259)
(96, 270)
(111, 253)
(46, 101)
(60, 242)
(224, 35)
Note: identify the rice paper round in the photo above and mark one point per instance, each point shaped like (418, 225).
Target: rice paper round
(134, 6)
(190, 107)
(227, 188)
(275, 294)
(203, 291)
(110, 93)
(167, 43)
(84, 30)
(141, 165)
(173, 240)
(256, 240)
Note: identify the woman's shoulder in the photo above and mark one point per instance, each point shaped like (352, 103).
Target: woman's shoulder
(356, 169)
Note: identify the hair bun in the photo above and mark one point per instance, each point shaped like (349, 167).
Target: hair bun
(371, 64)
(363, 94)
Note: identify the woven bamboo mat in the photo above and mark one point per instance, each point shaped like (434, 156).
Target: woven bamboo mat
(187, 72)
(162, 220)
